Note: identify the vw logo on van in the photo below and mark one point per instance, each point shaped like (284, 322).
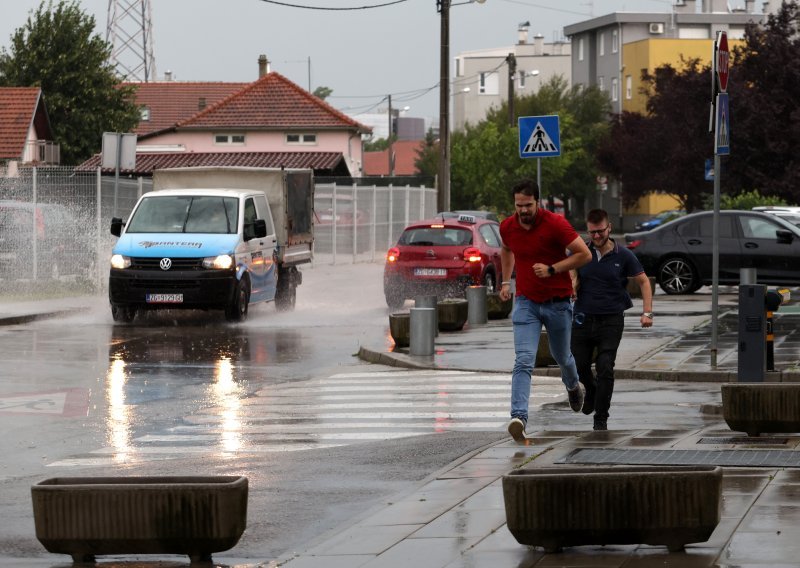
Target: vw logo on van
(165, 264)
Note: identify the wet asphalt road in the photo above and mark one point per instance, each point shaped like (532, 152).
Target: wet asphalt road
(187, 393)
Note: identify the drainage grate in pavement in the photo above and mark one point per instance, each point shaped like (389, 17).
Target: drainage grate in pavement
(749, 440)
(733, 458)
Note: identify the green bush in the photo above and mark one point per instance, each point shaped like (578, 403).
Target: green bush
(748, 200)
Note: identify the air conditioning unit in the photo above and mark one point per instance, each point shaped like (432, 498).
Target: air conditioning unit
(657, 28)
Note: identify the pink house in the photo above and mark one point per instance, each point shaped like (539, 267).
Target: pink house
(25, 133)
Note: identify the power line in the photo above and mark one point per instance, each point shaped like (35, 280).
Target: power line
(334, 9)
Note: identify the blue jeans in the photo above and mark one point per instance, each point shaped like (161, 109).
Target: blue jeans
(528, 317)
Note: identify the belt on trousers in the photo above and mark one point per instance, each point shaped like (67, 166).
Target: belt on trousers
(556, 299)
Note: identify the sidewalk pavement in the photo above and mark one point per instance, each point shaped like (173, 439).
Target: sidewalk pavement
(666, 411)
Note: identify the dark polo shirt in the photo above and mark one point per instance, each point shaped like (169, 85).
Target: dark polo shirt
(603, 282)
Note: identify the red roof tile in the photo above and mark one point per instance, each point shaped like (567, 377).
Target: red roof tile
(272, 102)
(170, 102)
(147, 162)
(405, 154)
(17, 111)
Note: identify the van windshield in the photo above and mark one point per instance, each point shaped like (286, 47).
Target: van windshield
(185, 214)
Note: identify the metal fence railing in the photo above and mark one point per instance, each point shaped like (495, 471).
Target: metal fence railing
(54, 224)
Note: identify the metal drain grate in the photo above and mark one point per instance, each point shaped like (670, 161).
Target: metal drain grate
(732, 458)
(749, 440)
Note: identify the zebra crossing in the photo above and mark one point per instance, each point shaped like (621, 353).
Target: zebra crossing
(341, 409)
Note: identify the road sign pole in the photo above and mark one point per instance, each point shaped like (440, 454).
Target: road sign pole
(539, 178)
(715, 266)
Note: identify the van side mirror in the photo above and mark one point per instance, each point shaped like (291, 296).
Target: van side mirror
(784, 236)
(260, 228)
(116, 226)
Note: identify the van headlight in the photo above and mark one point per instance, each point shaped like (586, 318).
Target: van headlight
(120, 262)
(221, 262)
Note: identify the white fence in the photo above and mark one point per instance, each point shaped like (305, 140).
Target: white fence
(73, 212)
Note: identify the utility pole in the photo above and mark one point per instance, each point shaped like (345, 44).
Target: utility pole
(443, 196)
(512, 71)
(129, 30)
(389, 137)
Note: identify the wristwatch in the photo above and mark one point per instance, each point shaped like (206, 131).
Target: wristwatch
(551, 270)
(648, 315)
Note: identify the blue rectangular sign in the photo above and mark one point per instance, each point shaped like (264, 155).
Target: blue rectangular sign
(539, 136)
(722, 131)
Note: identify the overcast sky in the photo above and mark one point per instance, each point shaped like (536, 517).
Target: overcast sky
(362, 55)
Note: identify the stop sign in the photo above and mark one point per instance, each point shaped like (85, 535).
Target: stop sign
(722, 61)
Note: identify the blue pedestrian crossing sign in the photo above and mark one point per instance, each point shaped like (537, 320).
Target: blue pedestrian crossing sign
(539, 136)
(722, 132)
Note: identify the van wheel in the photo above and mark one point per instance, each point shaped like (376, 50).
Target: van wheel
(285, 297)
(122, 313)
(237, 308)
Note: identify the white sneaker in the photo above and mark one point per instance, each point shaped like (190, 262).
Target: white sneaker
(517, 430)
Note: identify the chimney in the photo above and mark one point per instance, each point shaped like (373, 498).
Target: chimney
(522, 33)
(168, 75)
(263, 65)
(538, 44)
(201, 103)
(686, 7)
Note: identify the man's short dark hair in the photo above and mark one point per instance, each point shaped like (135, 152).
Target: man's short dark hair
(597, 216)
(527, 187)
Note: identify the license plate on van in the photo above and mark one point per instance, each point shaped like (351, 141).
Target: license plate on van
(164, 298)
(430, 272)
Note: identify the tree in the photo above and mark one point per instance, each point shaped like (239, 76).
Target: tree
(323, 92)
(58, 51)
(765, 109)
(427, 162)
(665, 149)
(378, 145)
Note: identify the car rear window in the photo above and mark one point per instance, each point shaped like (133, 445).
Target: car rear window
(435, 236)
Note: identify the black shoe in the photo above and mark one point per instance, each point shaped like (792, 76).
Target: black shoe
(600, 423)
(575, 398)
(588, 404)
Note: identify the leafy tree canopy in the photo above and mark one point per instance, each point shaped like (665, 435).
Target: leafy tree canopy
(323, 92)
(58, 51)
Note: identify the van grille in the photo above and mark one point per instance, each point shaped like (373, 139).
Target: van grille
(143, 263)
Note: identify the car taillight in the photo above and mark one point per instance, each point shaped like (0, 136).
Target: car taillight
(472, 254)
(633, 244)
(393, 254)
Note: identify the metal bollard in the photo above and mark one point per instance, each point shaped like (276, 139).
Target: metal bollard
(477, 307)
(747, 276)
(429, 302)
(422, 320)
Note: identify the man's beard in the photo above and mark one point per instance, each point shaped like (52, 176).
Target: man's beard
(526, 217)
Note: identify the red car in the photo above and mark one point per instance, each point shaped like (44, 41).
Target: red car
(442, 256)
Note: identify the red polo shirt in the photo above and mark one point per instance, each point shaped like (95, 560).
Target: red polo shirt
(545, 242)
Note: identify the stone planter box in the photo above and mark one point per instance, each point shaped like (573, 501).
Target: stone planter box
(758, 408)
(497, 308)
(660, 505)
(400, 328)
(452, 314)
(89, 516)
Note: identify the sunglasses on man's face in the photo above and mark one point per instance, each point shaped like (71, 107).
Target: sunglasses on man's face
(598, 232)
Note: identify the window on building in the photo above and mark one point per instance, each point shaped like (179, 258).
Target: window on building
(229, 139)
(614, 89)
(144, 112)
(628, 87)
(310, 139)
(580, 49)
(614, 41)
(601, 83)
(601, 43)
(488, 84)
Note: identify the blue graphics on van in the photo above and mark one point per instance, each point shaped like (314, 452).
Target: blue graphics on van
(175, 245)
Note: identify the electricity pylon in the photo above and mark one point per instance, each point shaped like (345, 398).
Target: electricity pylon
(130, 33)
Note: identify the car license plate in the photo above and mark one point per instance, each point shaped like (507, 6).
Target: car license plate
(430, 272)
(164, 298)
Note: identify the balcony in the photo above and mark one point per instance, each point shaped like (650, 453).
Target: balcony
(42, 153)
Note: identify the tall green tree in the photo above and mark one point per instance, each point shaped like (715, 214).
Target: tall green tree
(427, 160)
(58, 51)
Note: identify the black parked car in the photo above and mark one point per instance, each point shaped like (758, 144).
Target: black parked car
(679, 252)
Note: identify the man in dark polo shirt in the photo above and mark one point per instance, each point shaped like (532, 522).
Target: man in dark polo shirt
(599, 312)
(536, 241)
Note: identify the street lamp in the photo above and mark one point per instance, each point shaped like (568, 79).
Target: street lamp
(443, 195)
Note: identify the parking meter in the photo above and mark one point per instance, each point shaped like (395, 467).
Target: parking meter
(755, 353)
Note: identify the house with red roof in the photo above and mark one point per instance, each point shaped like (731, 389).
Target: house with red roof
(271, 122)
(406, 153)
(25, 134)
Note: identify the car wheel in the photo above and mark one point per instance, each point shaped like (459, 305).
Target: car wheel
(395, 298)
(490, 282)
(677, 276)
(122, 313)
(237, 308)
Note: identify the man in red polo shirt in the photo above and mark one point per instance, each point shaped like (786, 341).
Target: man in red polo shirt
(537, 241)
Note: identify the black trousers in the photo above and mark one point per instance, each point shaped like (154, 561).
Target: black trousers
(596, 338)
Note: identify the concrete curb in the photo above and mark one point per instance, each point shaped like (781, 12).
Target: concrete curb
(27, 318)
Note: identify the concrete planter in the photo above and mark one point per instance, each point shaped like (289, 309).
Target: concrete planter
(497, 308)
(756, 408)
(452, 313)
(85, 517)
(400, 328)
(558, 507)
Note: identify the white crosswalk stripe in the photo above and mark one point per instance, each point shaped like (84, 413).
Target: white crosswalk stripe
(345, 408)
